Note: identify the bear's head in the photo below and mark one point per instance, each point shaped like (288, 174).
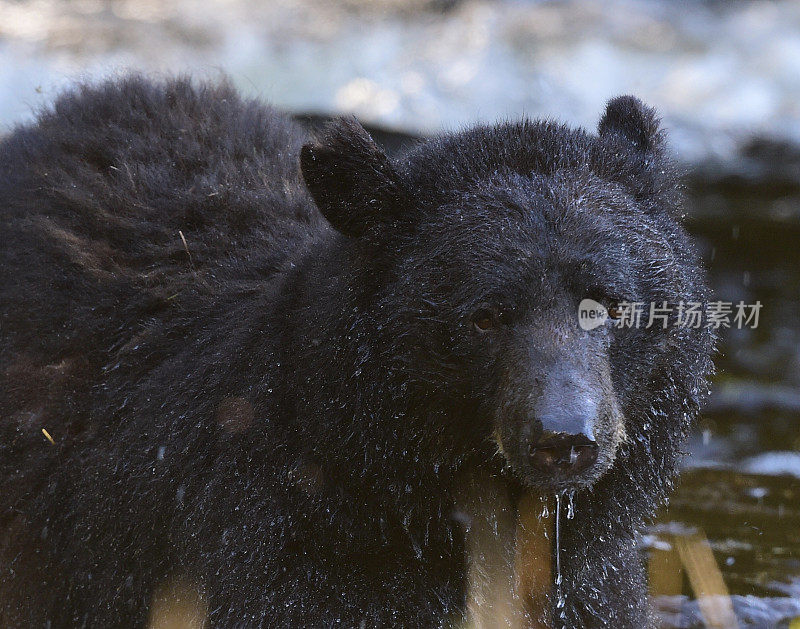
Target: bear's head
(481, 245)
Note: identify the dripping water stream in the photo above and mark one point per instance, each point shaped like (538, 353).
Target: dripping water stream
(560, 602)
(561, 612)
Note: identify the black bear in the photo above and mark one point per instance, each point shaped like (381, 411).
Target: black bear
(262, 362)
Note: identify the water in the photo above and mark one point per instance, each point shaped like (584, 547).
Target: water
(560, 598)
(741, 485)
(752, 523)
(719, 71)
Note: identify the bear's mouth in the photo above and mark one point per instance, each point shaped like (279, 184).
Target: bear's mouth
(564, 455)
(557, 462)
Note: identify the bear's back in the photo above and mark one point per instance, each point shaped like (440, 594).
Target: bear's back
(122, 167)
(150, 188)
(127, 205)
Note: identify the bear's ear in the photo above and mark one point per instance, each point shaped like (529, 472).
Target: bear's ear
(629, 119)
(350, 178)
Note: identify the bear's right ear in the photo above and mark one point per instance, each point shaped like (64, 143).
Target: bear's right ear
(350, 178)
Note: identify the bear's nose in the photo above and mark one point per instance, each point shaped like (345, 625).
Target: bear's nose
(562, 453)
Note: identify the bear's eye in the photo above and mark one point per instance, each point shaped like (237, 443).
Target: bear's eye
(610, 301)
(485, 319)
(613, 309)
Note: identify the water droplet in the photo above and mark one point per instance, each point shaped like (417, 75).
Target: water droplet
(560, 599)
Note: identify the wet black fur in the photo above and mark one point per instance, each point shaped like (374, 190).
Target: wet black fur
(366, 392)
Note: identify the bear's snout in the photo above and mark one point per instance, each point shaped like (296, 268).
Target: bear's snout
(561, 453)
(558, 420)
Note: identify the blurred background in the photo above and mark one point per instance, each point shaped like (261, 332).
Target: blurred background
(724, 74)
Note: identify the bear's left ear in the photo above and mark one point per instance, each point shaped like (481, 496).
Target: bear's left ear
(629, 119)
(350, 178)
